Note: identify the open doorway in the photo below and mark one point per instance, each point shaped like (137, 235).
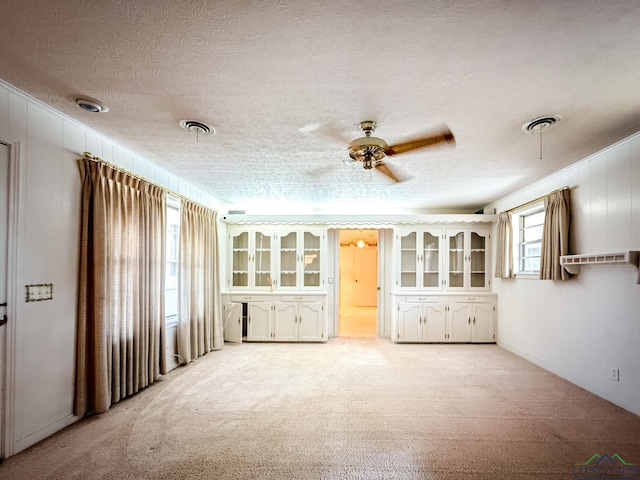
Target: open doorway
(358, 269)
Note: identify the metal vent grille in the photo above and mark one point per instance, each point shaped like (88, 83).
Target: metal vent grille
(540, 124)
(194, 126)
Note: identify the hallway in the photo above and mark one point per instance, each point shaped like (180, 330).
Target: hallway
(357, 321)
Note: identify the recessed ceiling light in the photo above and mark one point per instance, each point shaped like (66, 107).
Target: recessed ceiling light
(540, 124)
(91, 105)
(197, 127)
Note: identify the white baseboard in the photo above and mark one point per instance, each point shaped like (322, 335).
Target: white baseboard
(41, 434)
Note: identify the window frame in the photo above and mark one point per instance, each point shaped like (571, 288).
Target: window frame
(518, 220)
(173, 203)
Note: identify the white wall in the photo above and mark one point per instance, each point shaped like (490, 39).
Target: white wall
(42, 356)
(579, 329)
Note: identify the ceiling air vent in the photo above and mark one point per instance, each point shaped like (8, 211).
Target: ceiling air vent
(91, 105)
(540, 124)
(199, 128)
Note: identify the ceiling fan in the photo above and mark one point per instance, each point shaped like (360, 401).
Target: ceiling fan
(371, 151)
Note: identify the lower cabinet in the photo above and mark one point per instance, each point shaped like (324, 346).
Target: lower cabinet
(282, 318)
(259, 321)
(460, 319)
(298, 321)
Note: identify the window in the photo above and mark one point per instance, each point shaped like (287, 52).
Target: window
(171, 275)
(528, 223)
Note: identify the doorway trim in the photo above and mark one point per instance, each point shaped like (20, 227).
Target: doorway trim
(383, 264)
(7, 374)
(382, 276)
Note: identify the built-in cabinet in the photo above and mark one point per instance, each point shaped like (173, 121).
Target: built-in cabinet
(440, 270)
(251, 263)
(467, 264)
(277, 287)
(450, 318)
(276, 318)
(442, 259)
(300, 258)
(298, 320)
(266, 258)
(280, 271)
(420, 259)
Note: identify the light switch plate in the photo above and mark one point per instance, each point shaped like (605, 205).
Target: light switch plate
(39, 292)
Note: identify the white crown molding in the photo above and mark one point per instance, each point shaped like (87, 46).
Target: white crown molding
(357, 221)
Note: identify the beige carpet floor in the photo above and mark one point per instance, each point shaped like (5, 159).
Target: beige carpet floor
(354, 408)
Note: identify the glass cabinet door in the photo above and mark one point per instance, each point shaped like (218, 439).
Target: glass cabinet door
(262, 260)
(408, 261)
(430, 260)
(311, 260)
(240, 260)
(289, 260)
(456, 260)
(477, 260)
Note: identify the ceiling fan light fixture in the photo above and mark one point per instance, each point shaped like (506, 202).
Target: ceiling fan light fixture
(541, 124)
(91, 105)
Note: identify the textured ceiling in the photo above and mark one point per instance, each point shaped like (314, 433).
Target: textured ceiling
(260, 72)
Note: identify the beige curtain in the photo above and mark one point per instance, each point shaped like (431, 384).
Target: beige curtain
(555, 235)
(199, 320)
(120, 318)
(504, 247)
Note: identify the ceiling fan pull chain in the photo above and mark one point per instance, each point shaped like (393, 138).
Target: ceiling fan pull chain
(540, 144)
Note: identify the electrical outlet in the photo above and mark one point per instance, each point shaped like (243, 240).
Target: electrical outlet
(615, 374)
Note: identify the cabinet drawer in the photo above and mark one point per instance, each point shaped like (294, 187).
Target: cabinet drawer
(471, 299)
(302, 298)
(423, 299)
(246, 298)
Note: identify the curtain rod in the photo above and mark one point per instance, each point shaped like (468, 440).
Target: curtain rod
(526, 204)
(91, 156)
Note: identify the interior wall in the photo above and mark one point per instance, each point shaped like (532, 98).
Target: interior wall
(582, 328)
(49, 145)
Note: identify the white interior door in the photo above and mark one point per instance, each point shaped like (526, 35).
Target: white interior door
(366, 273)
(4, 228)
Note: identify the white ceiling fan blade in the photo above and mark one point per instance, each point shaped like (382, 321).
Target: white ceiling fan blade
(326, 131)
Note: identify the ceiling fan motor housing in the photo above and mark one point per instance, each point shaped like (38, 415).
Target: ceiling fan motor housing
(367, 150)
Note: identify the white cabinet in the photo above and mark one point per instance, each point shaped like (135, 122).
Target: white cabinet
(459, 323)
(272, 317)
(276, 259)
(467, 259)
(259, 321)
(483, 323)
(421, 322)
(299, 321)
(299, 262)
(432, 259)
(251, 264)
(419, 258)
(450, 318)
